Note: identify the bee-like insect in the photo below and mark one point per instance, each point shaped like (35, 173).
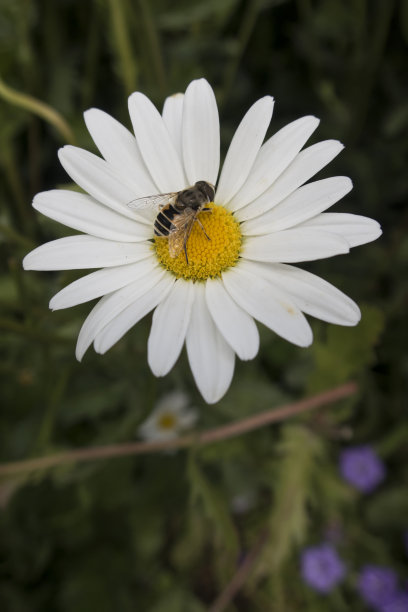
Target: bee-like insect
(177, 213)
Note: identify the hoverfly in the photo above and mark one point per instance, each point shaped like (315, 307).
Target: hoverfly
(177, 213)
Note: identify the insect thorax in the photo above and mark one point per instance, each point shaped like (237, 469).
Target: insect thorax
(195, 197)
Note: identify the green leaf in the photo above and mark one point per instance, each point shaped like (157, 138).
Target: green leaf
(249, 392)
(346, 350)
(194, 12)
(177, 600)
(190, 544)
(299, 452)
(388, 509)
(215, 509)
(93, 403)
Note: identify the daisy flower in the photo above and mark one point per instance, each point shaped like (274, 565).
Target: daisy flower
(263, 219)
(169, 418)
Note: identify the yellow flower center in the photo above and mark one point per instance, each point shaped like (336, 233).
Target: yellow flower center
(167, 421)
(207, 258)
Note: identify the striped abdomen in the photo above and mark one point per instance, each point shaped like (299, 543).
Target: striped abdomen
(163, 224)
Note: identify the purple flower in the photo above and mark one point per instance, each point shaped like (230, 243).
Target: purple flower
(322, 568)
(398, 604)
(377, 585)
(362, 468)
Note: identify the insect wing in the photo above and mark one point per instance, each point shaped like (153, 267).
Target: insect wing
(179, 235)
(152, 202)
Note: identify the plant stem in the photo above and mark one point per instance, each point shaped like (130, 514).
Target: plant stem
(13, 236)
(39, 108)
(19, 205)
(207, 437)
(154, 44)
(247, 25)
(239, 578)
(8, 325)
(128, 67)
(366, 79)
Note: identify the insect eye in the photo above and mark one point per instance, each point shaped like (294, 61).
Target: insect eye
(206, 189)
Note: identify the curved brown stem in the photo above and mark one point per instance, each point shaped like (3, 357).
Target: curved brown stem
(207, 437)
(240, 577)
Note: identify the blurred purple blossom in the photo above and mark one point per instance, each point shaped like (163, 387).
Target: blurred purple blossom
(377, 585)
(322, 569)
(361, 467)
(398, 604)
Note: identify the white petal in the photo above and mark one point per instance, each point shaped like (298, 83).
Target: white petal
(152, 432)
(188, 419)
(305, 165)
(174, 401)
(311, 294)
(83, 213)
(80, 252)
(201, 133)
(169, 326)
(236, 325)
(353, 228)
(155, 145)
(119, 148)
(100, 283)
(131, 315)
(110, 306)
(273, 158)
(304, 203)
(243, 149)
(293, 245)
(211, 358)
(173, 118)
(269, 305)
(101, 180)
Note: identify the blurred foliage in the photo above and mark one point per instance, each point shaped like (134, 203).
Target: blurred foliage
(165, 532)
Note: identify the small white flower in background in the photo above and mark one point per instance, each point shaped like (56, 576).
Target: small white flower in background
(169, 418)
(263, 219)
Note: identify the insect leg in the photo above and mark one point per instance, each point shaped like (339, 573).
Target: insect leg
(202, 227)
(185, 250)
(187, 236)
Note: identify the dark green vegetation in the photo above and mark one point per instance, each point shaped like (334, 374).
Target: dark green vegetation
(157, 533)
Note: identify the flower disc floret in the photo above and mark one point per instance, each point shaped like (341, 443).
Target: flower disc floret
(206, 258)
(167, 420)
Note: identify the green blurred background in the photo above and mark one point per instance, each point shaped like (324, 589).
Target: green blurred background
(161, 533)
